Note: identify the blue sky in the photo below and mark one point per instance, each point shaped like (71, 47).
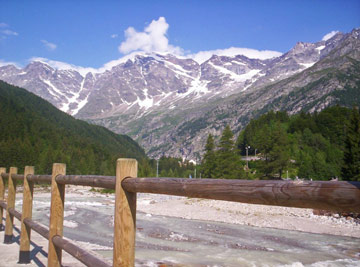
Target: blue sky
(92, 33)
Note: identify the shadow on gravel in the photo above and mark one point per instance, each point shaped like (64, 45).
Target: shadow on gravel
(33, 254)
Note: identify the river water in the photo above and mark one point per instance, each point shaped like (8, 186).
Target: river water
(181, 242)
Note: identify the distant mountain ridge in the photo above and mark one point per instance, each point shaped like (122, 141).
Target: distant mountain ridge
(149, 80)
(163, 101)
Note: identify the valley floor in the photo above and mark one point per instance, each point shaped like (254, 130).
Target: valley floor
(238, 213)
(248, 214)
(190, 208)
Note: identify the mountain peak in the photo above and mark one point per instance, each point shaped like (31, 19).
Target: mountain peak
(147, 92)
(356, 33)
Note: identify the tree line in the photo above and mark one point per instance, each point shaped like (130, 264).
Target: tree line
(168, 167)
(318, 146)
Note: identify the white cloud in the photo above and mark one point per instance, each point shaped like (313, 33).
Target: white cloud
(84, 70)
(4, 33)
(152, 39)
(9, 32)
(202, 56)
(114, 35)
(5, 63)
(63, 66)
(329, 35)
(49, 46)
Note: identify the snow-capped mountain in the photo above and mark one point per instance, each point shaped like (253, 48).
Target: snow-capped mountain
(148, 81)
(139, 95)
(141, 84)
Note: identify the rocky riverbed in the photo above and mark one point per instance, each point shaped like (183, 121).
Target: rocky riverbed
(178, 231)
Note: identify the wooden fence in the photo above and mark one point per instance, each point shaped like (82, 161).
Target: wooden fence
(334, 196)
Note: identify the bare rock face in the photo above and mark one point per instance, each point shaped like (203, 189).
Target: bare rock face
(170, 104)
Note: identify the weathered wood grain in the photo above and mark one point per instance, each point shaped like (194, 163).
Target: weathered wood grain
(3, 204)
(56, 214)
(17, 177)
(5, 175)
(125, 216)
(335, 196)
(43, 231)
(39, 178)
(88, 180)
(9, 225)
(2, 197)
(82, 255)
(15, 213)
(25, 234)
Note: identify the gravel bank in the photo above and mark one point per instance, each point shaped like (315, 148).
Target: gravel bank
(247, 214)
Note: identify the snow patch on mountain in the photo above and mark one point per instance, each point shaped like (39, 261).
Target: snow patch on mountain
(178, 69)
(145, 103)
(199, 87)
(53, 90)
(307, 65)
(238, 63)
(75, 99)
(233, 75)
(320, 48)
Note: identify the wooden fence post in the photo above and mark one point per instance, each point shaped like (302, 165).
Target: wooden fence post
(56, 214)
(2, 195)
(125, 215)
(24, 254)
(10, 204)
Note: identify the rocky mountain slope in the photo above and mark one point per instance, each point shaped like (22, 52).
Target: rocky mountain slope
(170, 104)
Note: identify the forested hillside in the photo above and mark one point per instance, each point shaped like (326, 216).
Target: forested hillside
(317, 146)
(33, 132)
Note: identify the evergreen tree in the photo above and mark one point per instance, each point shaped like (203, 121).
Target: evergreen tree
(145, 169)
(315, 142)
(228, 161)
(351, 164)
(274, 145)
(226, 141)
(208, 164)
(317, 158)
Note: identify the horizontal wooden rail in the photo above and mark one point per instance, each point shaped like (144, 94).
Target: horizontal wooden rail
(18, 176)
(15, 213)
(39, 178)
(87, 180)
(43, 231)
(30, 177)
(82, 255)
(335, 196)
(3, 204)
